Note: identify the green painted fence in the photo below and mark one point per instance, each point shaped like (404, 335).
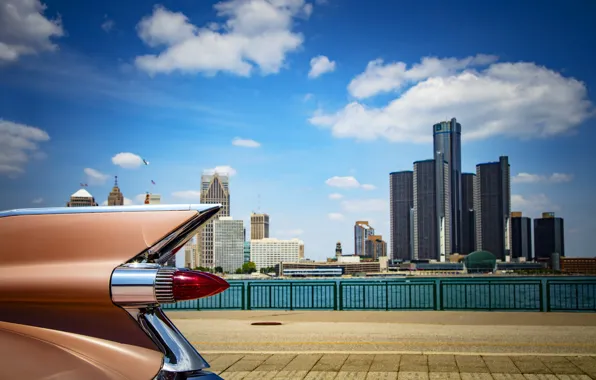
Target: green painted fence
(494, 294)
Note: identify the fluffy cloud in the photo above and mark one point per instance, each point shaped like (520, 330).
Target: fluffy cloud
(37, 201)
(95, 177)
(320, 65)
(348, 182)
(127, 160)
(365, 205)
(107, 25)
(307, 97)
(25, 30)
(532, 205)
(521, 100)
(256, 33)
(335, 216)
(187, 194)
(18, 144)
(335, 196)
(539, 178)
(222, 170)
(247, 143)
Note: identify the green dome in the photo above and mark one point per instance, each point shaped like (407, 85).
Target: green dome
(483, 261)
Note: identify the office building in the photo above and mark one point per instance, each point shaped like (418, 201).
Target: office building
(401, 202)
(549, 236)
(191, 253)
(228, 244)
(115, 198)
(521, 236)
(268, 252)
(468, 222)
(81, 198)
(431, 231)
(362, 230)
(246, 251)
(259, 226)
(376, 247)
(492, 204)
(214, 189)
(447, 148)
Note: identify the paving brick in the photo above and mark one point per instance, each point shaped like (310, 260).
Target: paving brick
(385, 363)
(261, 375)
(276, 362)
(346, 375)
(413, 363)
(560, 365)
(357, 363)
(500, 364)
(476, 376)
(248, 363)
(444, 375)
(471, 364)
(330, 363)
(381, 376)
(223, 362)
(530, 364)
(235, 375)
(586, 363)
(412, 375)
(508, 376)
(320, 375)
(540, 376)
(442, 363)
(574, 377)
(290, 375)
(303, 362)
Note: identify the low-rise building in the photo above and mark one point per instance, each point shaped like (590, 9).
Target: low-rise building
(268, 252)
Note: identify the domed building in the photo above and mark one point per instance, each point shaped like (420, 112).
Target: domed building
(480, 262)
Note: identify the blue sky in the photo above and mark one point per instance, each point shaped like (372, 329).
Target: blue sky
(312, 90)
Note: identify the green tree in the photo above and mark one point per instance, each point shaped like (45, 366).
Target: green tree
(218, 270)
(249, 267)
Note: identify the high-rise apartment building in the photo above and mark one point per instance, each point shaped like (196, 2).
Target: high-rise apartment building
(259, 226)
(115, 198)
(376, 247)
(362, 230)
(468, 225)
(228, 244)
(492, 205)
(521, 236)
(447, 148)
(549, 236)
(214, 189)
(81, 198)
(246, 251)
(401, 202)
(268, 252)
(431, 231)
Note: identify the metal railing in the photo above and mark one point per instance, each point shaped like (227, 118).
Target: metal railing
(494, 294)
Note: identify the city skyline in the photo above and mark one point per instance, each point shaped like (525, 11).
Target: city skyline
(314, 124)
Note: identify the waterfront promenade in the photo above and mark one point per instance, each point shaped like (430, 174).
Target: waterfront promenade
(394, 345)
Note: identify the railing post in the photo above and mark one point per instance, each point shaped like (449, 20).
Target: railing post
(291, 298)
(335, 295)
(386, 295)
(242, 297)
(544, 295)
(437, 294)
(490, 298)
(248, 297)
(341, 295)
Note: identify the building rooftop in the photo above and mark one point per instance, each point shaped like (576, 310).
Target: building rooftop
(82, 193)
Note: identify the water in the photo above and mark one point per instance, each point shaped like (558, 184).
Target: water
(469, 293)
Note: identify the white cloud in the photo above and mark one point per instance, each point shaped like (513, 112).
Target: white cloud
(222, 170)
(365, 205)
(539, 178)
(335, 216)
(37, 201)
(520, 100)
(335, 196)
(95, 177)
(532, 205)
(127, 160)
(107, 25)
(187, 194)
(256, 34)
(25, 30)
(247, 143)
(19, 144)
(307, 97)
(290, 233)
(348, 182)
(320, 65)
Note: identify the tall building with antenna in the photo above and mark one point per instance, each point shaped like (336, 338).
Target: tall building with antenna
(259, 226)
(115, 198)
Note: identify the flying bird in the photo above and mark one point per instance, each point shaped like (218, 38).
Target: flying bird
(145, 161)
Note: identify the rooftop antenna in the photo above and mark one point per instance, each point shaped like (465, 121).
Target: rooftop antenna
(115, 181)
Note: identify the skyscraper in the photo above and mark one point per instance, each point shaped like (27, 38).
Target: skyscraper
(492, 205)
(228, 244)
(468, 243)
(401, 201)
(521, 236)
(214, 189)
(431, 238)
(447, 147)
(259, 226)
(115, 198)
(549, 236)
(81, 198)
(362, 230)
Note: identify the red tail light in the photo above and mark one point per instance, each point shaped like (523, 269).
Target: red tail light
(190, 285)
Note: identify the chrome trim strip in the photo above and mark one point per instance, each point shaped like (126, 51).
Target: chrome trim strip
(134, 286)
(179, 354)
(103, 209)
